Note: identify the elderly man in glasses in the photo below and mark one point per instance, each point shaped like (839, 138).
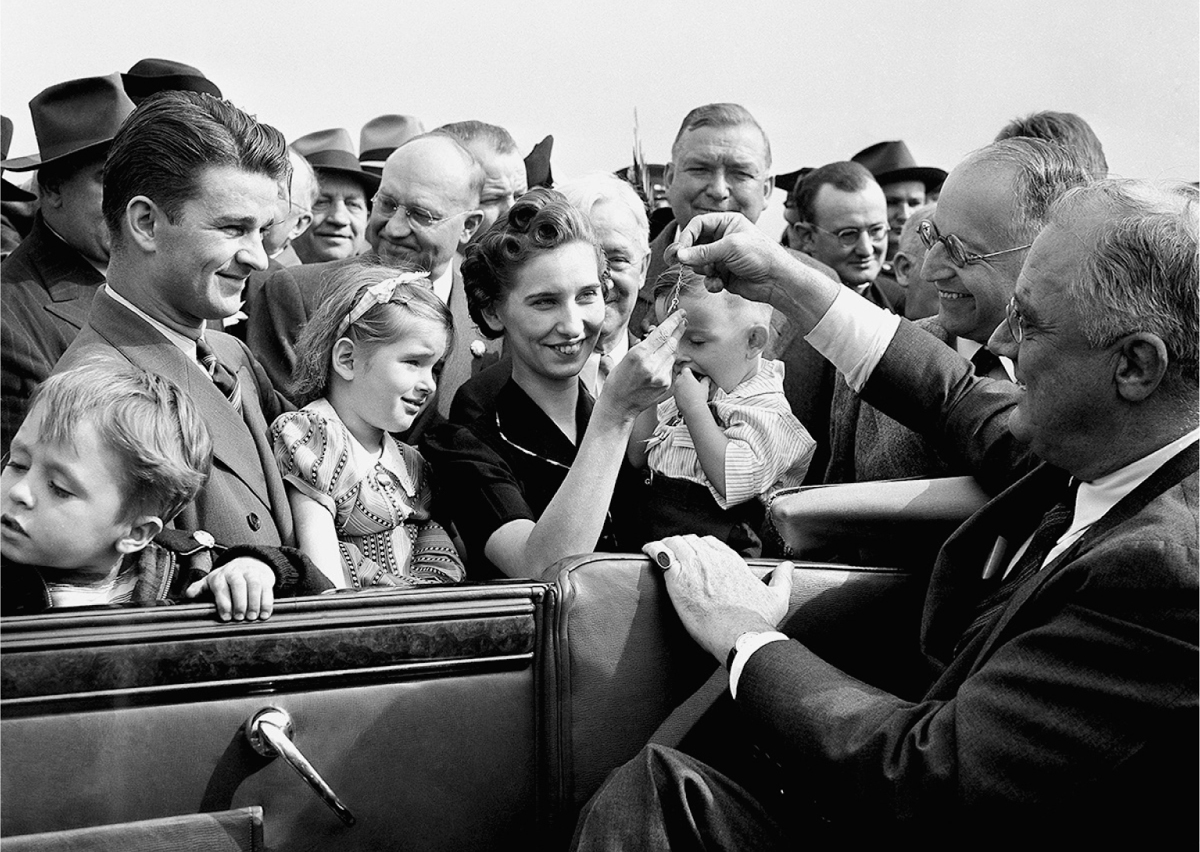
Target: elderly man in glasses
(842, 221)
(992, 206)
(426, 209)
(1059, 622)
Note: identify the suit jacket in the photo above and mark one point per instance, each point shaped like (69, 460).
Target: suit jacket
(46, 290)
(1074, 711)
(280, 307)
(244, 500)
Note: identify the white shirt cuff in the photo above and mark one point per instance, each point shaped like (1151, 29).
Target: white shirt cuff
(747, 649)
(853, 335)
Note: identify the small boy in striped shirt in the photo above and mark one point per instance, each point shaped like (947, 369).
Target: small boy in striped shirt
(726, 439)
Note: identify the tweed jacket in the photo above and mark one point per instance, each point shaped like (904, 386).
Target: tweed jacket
(46, 290)
(244, 501)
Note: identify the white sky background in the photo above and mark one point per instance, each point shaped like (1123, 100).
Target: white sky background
(824, 77)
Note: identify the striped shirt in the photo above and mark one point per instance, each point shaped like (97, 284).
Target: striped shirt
(768, 447)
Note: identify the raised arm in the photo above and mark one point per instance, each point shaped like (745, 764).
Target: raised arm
(574, 519)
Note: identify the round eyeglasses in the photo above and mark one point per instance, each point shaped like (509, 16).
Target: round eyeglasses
(954, 246)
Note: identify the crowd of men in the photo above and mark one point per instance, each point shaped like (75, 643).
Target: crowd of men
(1032, 322)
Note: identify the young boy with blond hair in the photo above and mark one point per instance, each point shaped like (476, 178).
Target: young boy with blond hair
(726, 439)
(107, 456)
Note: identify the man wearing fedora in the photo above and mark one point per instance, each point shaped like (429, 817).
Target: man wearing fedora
(906, 186)
(16, 215)
(47, 283)
(341, 209)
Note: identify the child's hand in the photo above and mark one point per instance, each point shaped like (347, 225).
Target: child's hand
(242, 588)
(690, 392)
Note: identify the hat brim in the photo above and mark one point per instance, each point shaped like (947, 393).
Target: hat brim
(927, 175)
(138, 86)
(9, 191)
(369, 181)
(35, 161)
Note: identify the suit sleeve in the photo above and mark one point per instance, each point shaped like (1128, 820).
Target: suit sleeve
(929, 388)
(1093, 675)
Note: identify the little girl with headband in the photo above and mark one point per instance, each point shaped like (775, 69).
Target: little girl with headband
(361, 498)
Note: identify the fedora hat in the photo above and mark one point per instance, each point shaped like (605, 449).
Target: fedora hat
(788, 180)
(537, 164)
(891, 162)
(333, 151)
(11, 192)
(382, 135)
(149, 76)
(72, 117)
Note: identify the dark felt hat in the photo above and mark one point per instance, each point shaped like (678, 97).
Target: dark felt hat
(333, 151)
(537, 164)
(788, 180)
(72, 117)
(890, 162)
(383, 135)
(150, 76)
(11, 192)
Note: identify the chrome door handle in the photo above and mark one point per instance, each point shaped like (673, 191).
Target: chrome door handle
(270, 733)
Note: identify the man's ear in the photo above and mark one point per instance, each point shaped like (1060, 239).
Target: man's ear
(756, 340)
(471, 223)
(803, 236)
(669, 176)
(768, 187)
(143, 529)
(144, 218)
(342, 358)
(302, 223)
(902, 266)
(1141, 364)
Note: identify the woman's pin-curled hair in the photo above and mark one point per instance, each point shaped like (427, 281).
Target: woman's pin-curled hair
(541, 221)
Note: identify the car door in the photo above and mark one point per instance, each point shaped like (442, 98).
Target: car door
(417, 707)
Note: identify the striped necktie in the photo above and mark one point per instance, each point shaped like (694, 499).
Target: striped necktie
(1049, 530)
(226, 382)
(602, 370)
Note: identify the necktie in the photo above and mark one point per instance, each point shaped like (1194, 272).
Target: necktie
(985, 362)
(226, 382)
(602, 370)
(1051, 528)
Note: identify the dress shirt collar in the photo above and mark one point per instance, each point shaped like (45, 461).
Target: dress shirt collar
(186, 344)
(967, 348)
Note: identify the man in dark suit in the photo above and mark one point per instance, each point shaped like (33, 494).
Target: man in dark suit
(426, 209)
(181, 252)
(1060, 621)
(47, 283)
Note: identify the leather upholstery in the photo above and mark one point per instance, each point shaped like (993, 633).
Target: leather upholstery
(622, 660)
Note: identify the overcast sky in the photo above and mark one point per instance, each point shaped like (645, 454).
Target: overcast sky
(825, 79)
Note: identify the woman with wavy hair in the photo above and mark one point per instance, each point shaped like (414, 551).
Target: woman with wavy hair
(536, 471)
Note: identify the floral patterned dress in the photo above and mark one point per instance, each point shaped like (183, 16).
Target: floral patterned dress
(380, 507)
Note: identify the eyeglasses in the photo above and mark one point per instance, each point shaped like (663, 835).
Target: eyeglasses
(1015, 320)
(954, 246)
(418, 217)
(849, 236)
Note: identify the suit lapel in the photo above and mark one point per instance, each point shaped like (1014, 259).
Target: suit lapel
(145, 346)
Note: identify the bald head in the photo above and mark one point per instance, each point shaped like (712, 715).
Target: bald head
(427, 206)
